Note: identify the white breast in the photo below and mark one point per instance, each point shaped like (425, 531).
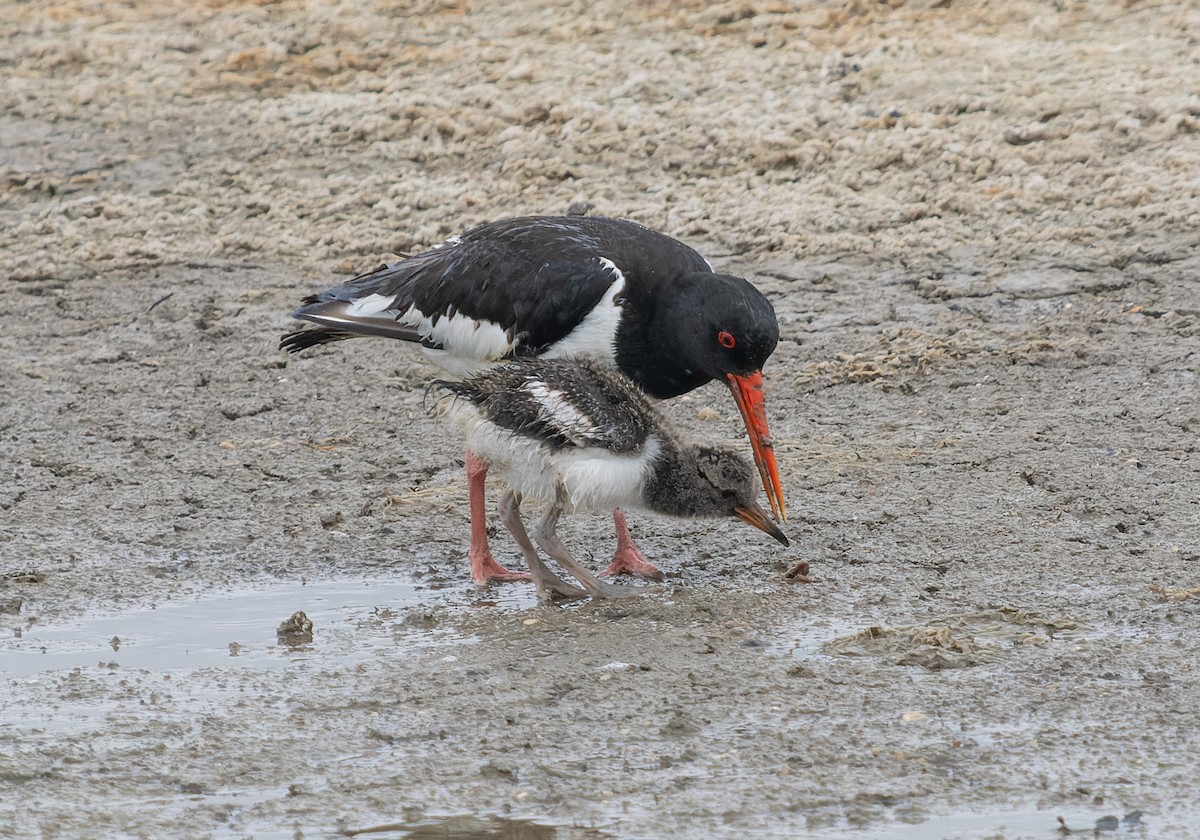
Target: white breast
(595, 479)
(596, 334)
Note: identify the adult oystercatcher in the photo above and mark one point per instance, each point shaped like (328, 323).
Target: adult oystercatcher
(557, 286)
(580, 436)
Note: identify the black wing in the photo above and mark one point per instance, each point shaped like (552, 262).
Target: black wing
(534, 278)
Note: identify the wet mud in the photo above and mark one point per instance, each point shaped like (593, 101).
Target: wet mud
(977, 223)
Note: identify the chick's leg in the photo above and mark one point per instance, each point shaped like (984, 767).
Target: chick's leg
(547, 537)
(549, 585)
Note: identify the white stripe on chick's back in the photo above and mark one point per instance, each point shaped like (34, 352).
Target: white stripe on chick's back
(559, 413)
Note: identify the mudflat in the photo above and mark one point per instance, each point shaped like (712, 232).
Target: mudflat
(978, 225)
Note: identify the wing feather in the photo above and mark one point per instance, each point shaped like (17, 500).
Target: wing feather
(565, 403)
(534, 280)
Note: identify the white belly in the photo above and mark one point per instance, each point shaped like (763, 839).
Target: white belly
(594, 479)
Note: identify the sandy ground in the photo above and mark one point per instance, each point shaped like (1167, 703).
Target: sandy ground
(978, 223)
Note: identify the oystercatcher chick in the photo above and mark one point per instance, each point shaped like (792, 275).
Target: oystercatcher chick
(608, 289)
(579, 436)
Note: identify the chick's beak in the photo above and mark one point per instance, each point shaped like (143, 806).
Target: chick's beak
(756, 516)
(748, 393)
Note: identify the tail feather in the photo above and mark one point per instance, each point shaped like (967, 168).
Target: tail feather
(302, 339)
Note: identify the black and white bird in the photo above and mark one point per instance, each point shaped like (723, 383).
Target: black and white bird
(579, 436)
(553, 287)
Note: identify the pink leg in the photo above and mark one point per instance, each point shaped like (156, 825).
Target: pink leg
(484, 568)
(628, 560)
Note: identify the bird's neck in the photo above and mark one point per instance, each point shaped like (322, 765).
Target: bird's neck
(647, 328)
(667, 490)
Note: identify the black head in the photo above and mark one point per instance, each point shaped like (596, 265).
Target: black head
(732, 327)
(707, 327)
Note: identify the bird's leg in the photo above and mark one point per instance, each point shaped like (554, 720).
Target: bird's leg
(548, 539)
(628, 559)
(484, 568)
(548, 584)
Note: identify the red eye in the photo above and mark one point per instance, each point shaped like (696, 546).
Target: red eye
(726, 339)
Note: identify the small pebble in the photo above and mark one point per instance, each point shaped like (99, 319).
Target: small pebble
(297, 630)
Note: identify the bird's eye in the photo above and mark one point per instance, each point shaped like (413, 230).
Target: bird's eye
(727, 340)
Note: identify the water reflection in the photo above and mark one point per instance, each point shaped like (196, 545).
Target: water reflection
(470, 827)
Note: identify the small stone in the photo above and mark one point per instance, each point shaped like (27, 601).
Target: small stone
(1019, 135)
(616, 666)
(297, 630)
(798, 573)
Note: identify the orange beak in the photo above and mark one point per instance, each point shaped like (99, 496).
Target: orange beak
(748, 393)
(757, 517)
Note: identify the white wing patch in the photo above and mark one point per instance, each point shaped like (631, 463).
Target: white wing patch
(470, 344)
(372, 304)
(560, 413)
(449, 243)
(596, 334)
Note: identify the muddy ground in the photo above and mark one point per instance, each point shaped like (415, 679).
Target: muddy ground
(978, 223)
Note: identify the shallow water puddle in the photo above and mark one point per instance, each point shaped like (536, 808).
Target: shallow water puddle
(353, 619)
(807, 639)
(1022, 822)
(476, 828)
